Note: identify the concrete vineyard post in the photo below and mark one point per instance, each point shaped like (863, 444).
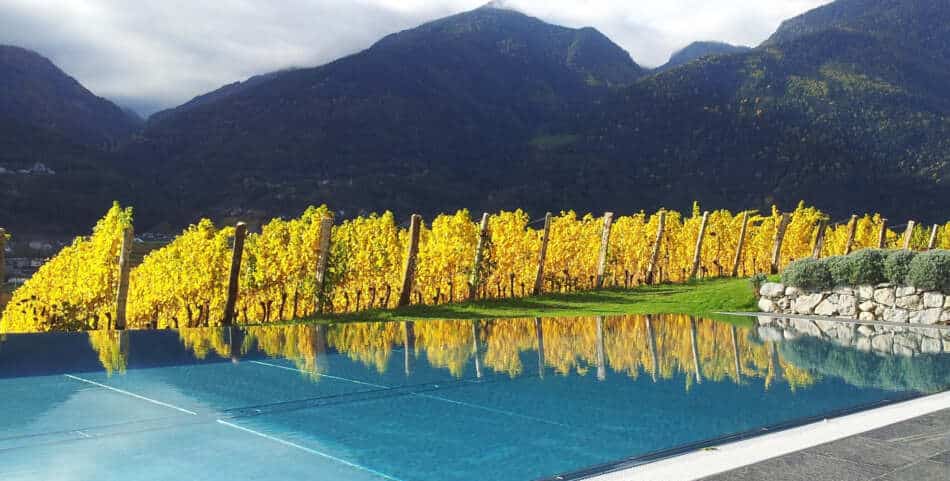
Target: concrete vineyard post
(882, 234)
(542, 254)
(819, 240)
(323, 260)
(655, 255)
(777, 247)
(604, 244)
(852, 230)
(125, 266)
(234, 278)
(740, 245)
(409, 271)
(909, 234)
(474, 279)
(932, 244)
(698, 252)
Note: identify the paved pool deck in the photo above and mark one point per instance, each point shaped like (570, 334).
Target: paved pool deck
(914, 450)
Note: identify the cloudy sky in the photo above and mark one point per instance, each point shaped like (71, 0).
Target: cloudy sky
(154, 54)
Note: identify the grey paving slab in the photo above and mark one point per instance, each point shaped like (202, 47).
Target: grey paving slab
(914, 450)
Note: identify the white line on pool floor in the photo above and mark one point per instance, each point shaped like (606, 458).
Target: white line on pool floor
(127, 393)
(700, 464)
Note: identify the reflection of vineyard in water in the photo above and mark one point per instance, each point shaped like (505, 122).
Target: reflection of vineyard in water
(184, 284)
(661, 347)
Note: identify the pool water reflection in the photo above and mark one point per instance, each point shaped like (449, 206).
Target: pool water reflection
(514, 399)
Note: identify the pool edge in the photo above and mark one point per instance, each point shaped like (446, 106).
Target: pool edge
(700, 463)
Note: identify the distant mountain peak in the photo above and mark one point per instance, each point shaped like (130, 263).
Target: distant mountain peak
(697, 50)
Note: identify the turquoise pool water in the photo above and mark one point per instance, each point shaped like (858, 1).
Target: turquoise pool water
(437, 400)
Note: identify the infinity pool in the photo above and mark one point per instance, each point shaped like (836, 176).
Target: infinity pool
(436, 400)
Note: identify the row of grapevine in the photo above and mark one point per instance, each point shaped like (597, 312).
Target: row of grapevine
(185, 283)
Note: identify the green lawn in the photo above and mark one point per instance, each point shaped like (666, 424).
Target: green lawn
(700, 298)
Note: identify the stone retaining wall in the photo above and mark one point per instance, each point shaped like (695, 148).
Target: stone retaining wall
(882, 302)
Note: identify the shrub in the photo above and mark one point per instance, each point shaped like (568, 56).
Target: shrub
(896, 266)
(866, 266)
(807, 274)
(930, 271)
(839, 267)
(757, 280)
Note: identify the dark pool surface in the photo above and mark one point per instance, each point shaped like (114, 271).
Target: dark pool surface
(434, 400)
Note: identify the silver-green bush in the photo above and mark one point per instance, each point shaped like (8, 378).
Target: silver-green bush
(930, 271)
(807, 274)
(896, 266)
(866, 267)
(840, 269)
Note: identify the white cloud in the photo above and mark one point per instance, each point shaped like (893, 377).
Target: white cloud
(152, 54)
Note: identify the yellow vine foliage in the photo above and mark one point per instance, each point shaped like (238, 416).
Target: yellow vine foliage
(185, 283)
(76, 289)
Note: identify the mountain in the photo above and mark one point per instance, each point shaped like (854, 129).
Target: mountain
(847, 106)
(36, 93)
(422, 117)
(56, 168)
(698, 50)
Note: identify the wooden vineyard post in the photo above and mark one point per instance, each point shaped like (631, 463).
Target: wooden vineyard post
(740, 245)
(474, 280)
(604, 244)
(3, 242)
(542, 254)
(932, 244)
(882, 235)
(779, 237)
(909, 234)
(125, 265)
(819, 240)
(655, 255)
(852, 230)
(234, 278)
(409, 272)
(698, 252)
(323, 260)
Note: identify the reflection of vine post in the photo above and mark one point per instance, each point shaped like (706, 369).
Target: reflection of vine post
(604, 244)
(819, 240)
(698, 252)
(408, 345)
(735, 354)
(125, 265)
(651, 337)
(852, 230)
(777, 247)
(933, 238)
(475, 349)
(601, 361)
(323, 259)
(882, 234)
(539, 331)
(695, 347)
(655, 256)
(741, 244)
(909, 234)
(539, 277)
(474, 279)
(240, 230)
(409, 271)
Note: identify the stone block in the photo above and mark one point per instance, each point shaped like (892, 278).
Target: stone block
(805, 304)
(933, 299)
(908, 302)
(884, 296)
(772, 290)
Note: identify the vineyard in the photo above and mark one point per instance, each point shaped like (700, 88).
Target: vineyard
(216, 275)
